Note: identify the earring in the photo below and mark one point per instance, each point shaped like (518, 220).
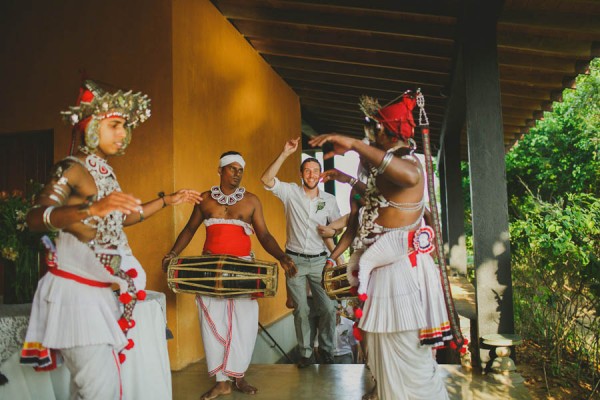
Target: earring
(92, 137)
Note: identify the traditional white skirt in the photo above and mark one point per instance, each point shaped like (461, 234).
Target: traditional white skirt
(66, 313)
(229, 329)
(402, 297)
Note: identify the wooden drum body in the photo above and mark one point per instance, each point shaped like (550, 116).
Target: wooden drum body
(222, 276)
(335, 281)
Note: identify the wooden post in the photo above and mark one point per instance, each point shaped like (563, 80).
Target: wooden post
(487, 171)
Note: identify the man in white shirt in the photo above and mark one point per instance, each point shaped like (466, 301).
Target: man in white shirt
(345, 343)
(306, 207)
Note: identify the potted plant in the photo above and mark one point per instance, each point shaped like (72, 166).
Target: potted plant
(19, 247)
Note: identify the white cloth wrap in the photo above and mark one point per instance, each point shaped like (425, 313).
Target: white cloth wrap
(229, 326)
(400, 297)
(66, 313)
(229, 329)
(231, 158)
(404, 369)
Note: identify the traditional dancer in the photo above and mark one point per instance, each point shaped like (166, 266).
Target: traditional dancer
(229, 326)
(306, 207)
(404, 313)
(74, 309)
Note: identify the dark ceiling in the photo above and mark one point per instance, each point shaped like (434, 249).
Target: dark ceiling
(332, 51)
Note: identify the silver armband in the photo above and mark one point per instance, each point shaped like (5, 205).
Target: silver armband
(387, 159)
(46, 219)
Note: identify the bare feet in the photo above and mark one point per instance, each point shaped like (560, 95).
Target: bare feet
(371, 395)
(220, 389)
(243, 386)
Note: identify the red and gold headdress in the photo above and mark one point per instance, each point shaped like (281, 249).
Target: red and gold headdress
(95, 104)
(396, 116)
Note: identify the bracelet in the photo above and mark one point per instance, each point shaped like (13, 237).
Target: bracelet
(170, 254)
(46, 219)
(387, 159)
(330, 261)
(353, 181)
(141, 213)
(162, 196)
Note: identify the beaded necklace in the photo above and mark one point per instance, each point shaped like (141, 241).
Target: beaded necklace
(227, 199)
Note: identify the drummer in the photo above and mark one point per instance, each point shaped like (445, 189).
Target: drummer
(231, 215)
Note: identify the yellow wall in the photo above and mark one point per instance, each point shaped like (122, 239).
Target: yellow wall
(210, 93)
(226, 98)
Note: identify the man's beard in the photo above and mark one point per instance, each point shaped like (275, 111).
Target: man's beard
(308, 187)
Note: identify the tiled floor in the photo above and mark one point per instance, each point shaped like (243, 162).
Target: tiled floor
(339, 382)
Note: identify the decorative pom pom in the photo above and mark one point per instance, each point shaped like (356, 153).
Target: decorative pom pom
(358, 313)
(357, 333)
(132, 273)
(122, 358)
(354, 290)
(141, 295)
(453, 345)
(363, 297)
(355, 273)
(462, 350)
(131, 323)
(123, 324)
(130, 344)
(125, 298)
(465, 341)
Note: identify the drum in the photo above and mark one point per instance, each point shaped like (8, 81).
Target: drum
(222, 276)
(335, 281)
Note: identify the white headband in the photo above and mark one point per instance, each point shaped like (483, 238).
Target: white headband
(231, 158)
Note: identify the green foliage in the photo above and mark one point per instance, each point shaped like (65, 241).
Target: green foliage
(553, 184)
(561, 154)
(553, 178)
(19, 247)
(556, 278)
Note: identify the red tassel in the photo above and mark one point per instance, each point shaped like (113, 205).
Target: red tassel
(363, 297)
(131, 323)
(130, 344)
(122, 358)
(141, 295)
(123, 324)
(358, 313)
(125, 298)
(132, 273)
(357, 333)
(353, 290)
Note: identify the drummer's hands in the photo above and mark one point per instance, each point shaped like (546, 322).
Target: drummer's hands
(288, 266)
(183, 196)
(167, 259)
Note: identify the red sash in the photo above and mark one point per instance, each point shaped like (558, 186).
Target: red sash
(227, 239)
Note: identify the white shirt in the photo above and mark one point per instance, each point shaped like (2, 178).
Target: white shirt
(344, 337)
(303, 214)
